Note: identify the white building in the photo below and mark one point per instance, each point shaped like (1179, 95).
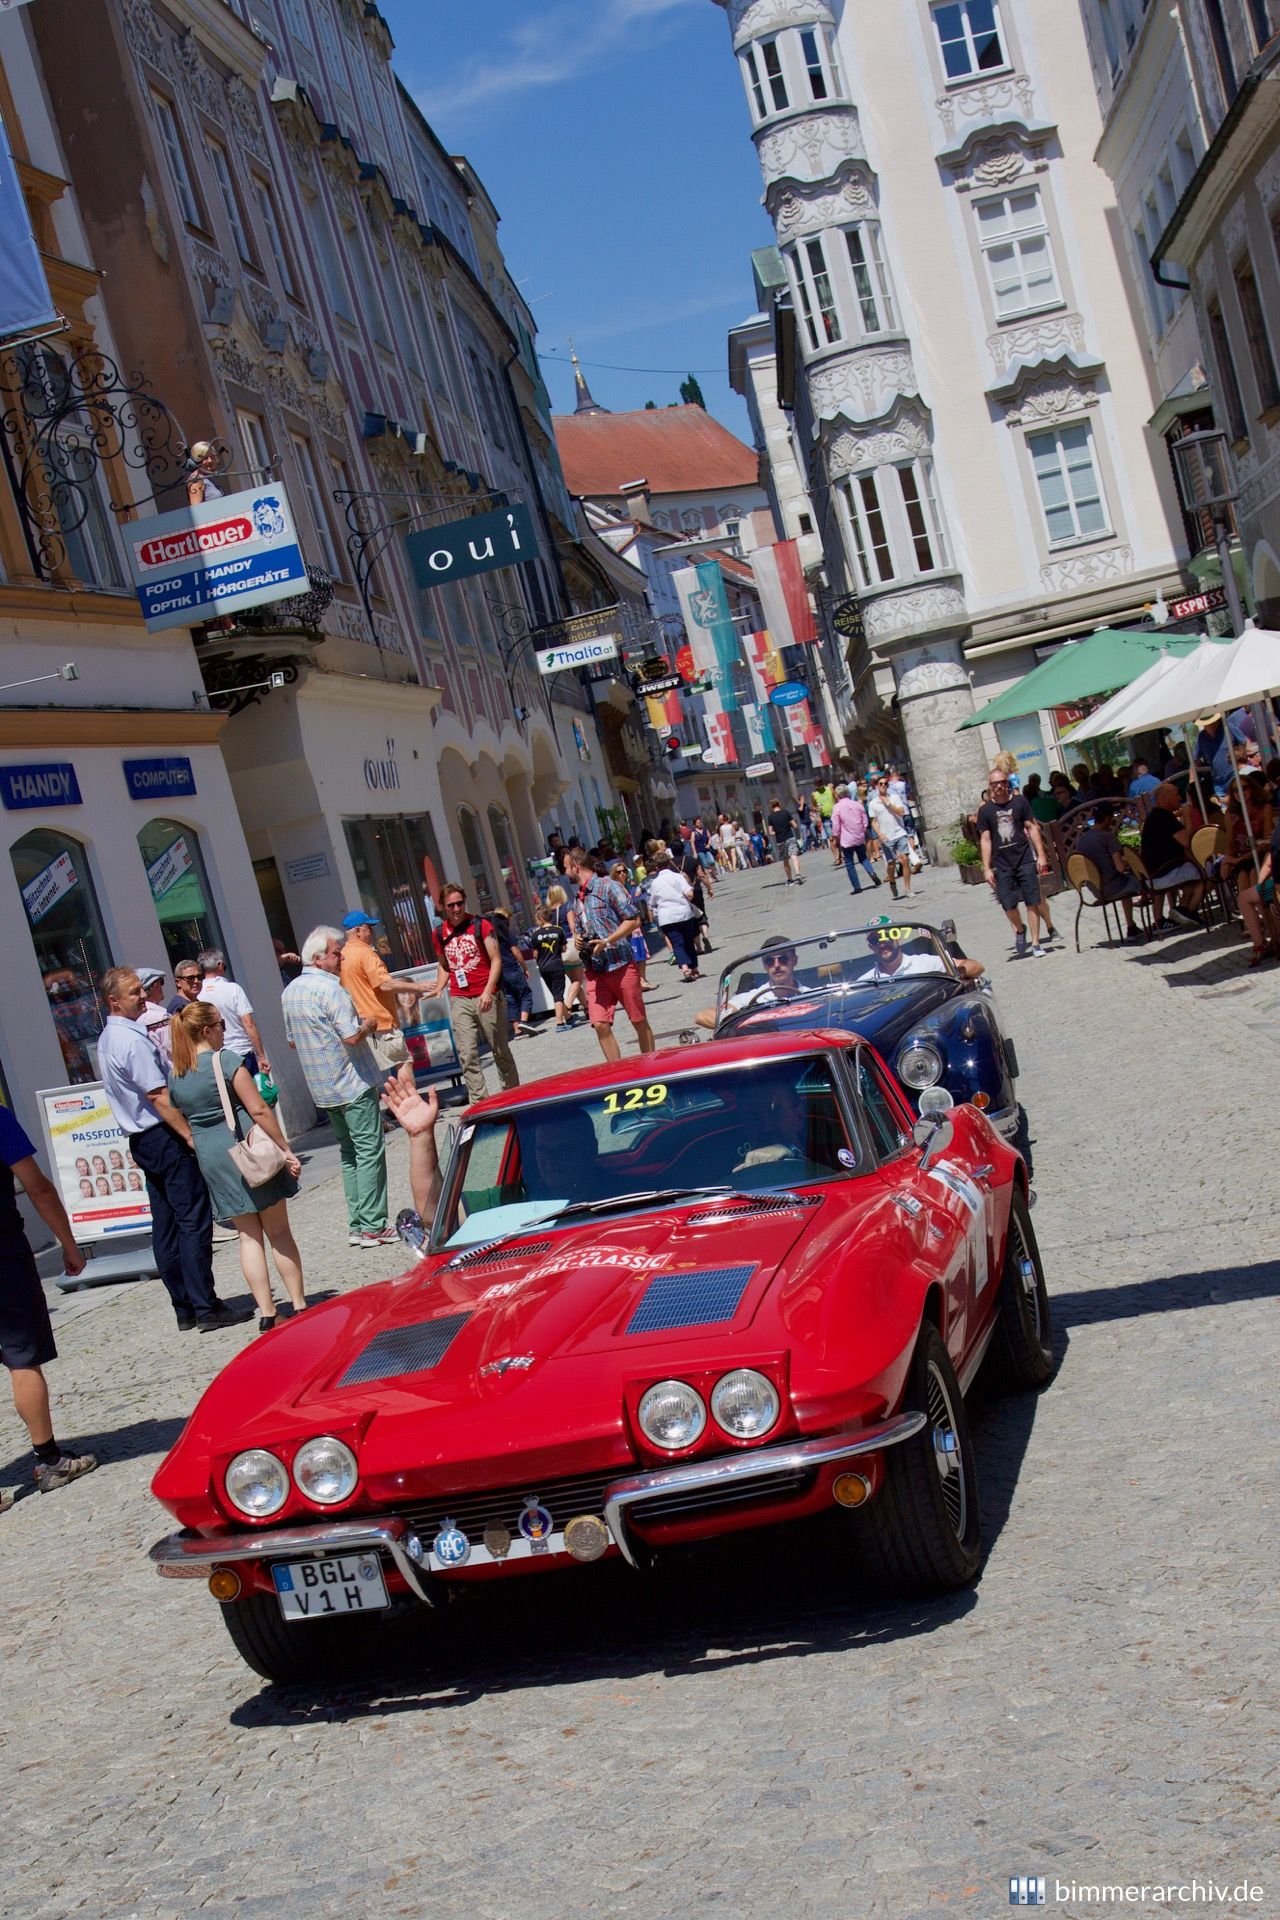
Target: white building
(968, 365)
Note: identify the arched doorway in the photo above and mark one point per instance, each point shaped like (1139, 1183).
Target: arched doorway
(65, 923)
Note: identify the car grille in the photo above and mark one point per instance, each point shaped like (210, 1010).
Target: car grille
(564, 1499)
(687, 1504)
(690, 1299)
(495, 1256)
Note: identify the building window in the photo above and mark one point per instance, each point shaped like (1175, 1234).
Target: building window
(275, 237)
(304, 457)
(691, 520)
(257, 454)
(71, 948)
(820, 63)
(180, 889)
(1255, 328)
(1069, 483)
(1228, 380)
(969, 38)
(335, 280)
(870, 278)
(230, 200)
(1263, 31)
(817, 301)
(924, 529)
(774, 81)
(867, 526)
(71, 506)
(1018, 253)
(179, 165)
(755, 88)
(1184, 160)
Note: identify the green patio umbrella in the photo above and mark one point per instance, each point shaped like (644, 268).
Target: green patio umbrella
(1107, 659)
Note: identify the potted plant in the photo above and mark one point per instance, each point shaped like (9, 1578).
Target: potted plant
(967, 857)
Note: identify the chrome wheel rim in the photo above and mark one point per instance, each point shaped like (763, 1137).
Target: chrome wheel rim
(947, 1454)
(1029, 1281)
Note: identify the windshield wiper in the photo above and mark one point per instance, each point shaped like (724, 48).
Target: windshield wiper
(653, 1198)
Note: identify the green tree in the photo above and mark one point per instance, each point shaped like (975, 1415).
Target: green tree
(691, 393)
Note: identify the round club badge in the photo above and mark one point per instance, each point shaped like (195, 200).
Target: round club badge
(535, 1523)
(451, 1546)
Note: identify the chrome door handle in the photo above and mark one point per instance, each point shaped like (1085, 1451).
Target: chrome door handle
(984, 1173)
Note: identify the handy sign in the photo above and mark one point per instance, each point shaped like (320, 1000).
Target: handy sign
(789, 694)
(101, 1187)
(47, 783)
(169, 868)
(220, 557)
(478, 545)
(148, 779)
(42, 894)
(584, 653)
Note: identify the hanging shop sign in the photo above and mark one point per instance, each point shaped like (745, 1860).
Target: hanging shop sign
(101, 1186)
(45, 783)
(789, 694)
(846, 617)
(581, 653)
(669, 683)
(1208, 602)
(759, 769)
(479, 545)
(221, 557)
(150, 779)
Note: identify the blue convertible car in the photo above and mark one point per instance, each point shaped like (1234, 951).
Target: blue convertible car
(903, 988)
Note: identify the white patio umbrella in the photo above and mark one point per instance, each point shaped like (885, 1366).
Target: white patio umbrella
(1252, 672)
(1107, 717)
(1191, 687)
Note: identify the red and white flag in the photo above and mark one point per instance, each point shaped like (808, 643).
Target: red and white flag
(783, 594)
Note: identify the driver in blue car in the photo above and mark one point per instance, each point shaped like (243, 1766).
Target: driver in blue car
(778, 958)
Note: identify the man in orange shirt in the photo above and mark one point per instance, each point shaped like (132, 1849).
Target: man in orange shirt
(376, 995)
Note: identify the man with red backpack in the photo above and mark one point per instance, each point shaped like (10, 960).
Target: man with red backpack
(470, 960)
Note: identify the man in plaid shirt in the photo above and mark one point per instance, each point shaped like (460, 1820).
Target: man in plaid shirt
(611, 977)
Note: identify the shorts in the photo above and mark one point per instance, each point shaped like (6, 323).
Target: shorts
(26, 1331)
(1118, 889)
(390, 1049)
(1020, 883)
(553, 979)
(607, 991)
(1184, 876)
(790, 849)
(898, 849)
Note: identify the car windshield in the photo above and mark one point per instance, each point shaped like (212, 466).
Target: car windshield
(879, 956)
(764, 1124)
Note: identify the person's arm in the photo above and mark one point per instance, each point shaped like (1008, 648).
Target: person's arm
(494, 952)
(417, 1113)
(251, 1028)
(44, 1197)
(262, 1116)
(159, 1098)
(1033, 834)
(967, 969)
(984, 848)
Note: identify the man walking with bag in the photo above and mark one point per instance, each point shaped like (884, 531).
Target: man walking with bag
(605, 923)
(470, 960)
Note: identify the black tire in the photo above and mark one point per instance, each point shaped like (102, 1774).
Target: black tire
(287, 1651)
(1020, 1357)
(922, 1533)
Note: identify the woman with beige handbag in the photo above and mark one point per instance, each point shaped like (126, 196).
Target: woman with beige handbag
(248, 1165)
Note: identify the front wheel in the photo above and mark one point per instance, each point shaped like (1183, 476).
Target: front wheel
(286, 1651)
(1021, 1354)
(922, 1533)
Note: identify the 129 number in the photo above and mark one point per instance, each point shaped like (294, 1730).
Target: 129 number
(632, 1099)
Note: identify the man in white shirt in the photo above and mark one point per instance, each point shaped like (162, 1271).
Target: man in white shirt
(893, 964)
(888, 820)
(153, 1021)
(239, 1028)
(779, 959)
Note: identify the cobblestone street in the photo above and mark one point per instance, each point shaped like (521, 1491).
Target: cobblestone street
(745, 1732)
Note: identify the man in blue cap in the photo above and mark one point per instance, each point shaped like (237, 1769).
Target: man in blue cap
(376, 995)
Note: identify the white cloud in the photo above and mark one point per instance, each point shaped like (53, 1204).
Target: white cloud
(543, 53)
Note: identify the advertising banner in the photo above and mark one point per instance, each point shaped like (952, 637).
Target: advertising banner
(101, 1188)
(220, 557)
(43, 893)
(783, 594)
(169, 868)
(583, 653)
(480, 544)
(26, 307)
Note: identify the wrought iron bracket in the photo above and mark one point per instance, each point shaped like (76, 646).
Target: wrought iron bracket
(371, 528)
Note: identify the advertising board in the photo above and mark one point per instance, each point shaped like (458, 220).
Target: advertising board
(100, 1185)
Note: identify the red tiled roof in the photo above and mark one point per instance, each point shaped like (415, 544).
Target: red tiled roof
(676, 449)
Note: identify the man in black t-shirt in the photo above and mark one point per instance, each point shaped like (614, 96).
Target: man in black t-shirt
(786, 837)
(1013, 858)
(1166, 855)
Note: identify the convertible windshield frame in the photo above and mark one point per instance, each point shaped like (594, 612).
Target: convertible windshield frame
(815, 944)
(444, 1221)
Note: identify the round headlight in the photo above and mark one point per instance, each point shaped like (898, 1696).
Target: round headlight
(256, 1483)
(672, 1415)
(325, 1471)
(920, 1062)
(745, 1404)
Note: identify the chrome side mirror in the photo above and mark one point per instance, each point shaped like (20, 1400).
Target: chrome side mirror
(934, 1135)
(410, 1228)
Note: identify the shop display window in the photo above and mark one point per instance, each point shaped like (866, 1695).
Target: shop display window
(71, 949)
(180, 888)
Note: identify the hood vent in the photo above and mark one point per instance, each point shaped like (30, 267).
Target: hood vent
(491, 1256)
(724, 1214)
(690, 1299)
(405, 1350)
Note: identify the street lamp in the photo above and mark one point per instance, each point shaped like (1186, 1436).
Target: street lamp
(1206, 481)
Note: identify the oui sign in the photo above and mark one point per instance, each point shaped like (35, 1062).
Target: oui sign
(478, 545)
(383, 776)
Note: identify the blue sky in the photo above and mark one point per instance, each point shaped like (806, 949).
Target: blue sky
(613, 137)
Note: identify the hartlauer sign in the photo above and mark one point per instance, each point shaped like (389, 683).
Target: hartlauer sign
(165, 549)
(221, 557)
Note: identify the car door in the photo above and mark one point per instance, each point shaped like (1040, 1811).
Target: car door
(929, 1214)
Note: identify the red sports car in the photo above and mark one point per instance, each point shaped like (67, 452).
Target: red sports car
(693, 1293)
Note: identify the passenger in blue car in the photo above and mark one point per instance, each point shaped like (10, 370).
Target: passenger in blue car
(893, 964)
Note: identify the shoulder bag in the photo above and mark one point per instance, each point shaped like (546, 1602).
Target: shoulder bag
(257, 1157)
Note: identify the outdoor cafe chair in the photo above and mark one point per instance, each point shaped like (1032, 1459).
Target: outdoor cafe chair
(1082, 873)
(1146, 900)
(1206, 844)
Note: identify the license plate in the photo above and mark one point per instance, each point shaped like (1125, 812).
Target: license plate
(315, 1589)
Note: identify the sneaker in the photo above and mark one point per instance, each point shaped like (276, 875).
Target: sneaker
(1048, 934)
(223, 1316)
(1020, 944)
(354, 1239)
(562, 1026)
(1037, 952)
(1182, 918)
(185, 1318)
(384, 1237)
(60, 1472)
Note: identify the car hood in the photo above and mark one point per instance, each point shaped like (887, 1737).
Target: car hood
(881, 1014)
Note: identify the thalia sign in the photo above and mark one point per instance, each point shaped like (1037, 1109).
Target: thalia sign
(584, 654)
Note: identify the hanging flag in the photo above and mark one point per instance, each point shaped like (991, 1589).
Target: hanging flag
(765, 663)
(705, 607)
(722, 751)
(26, 307)
(783, 594)
(759, 730)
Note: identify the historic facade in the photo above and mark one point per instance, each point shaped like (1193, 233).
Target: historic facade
(960, 353)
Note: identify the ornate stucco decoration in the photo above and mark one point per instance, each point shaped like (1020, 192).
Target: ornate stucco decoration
(198, 76)
(1081, 570)
(996, 155)
(862, 384)
(1048, 391)
(988, 101)
(1037, 339)
(797, 209)
(914, 609)
(811, 146)
(751, 18)
(904, 435)
(245, 122)
(146, 36)
(1257, 488)
(932, 675)
(235, 364)
(207, 263)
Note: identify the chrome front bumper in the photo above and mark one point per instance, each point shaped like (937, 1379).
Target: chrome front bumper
(190, 1556)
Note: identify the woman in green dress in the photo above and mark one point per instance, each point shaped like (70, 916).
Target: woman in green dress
(252, 1211)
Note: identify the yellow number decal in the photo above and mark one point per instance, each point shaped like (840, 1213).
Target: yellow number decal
(897, 933)
(655, 1095)
(611, 1103)
(633, 1099)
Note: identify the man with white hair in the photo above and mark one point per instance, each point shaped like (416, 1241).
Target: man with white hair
(332, 1044)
